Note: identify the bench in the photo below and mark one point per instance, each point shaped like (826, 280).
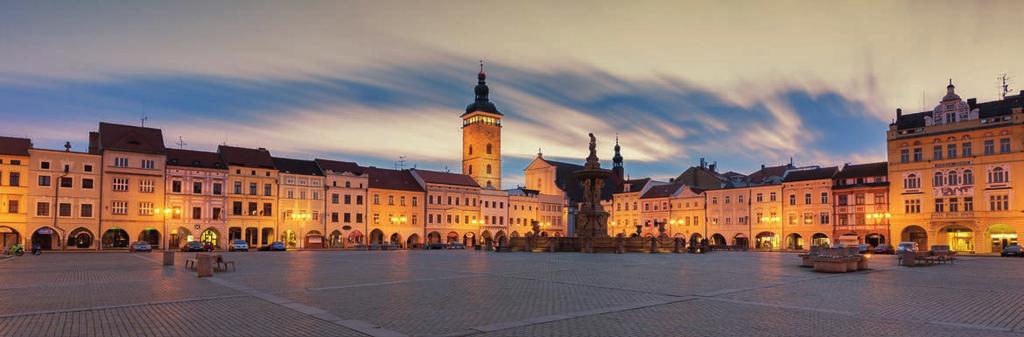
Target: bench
(223, 264)
(190, 263)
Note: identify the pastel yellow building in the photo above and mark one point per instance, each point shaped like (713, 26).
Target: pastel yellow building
(953, 171)
(252, 195)
(197, 199)
(686, 219)
(345, 215)
(453, 206)
(301, 203)
(14, 170)
(807, 209)
(396, 209)
(625, 207)
(74, 187)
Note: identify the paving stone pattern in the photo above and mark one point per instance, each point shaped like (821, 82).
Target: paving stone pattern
(464, 293)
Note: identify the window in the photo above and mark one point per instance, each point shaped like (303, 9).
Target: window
(236, 208)
(792, 218)
(42, 209)
(808, 218)
(334, 217)
(999, 202)
(905, 155)
(952, 178)
(990, 147)
(792, 199)
(268, 209)
(414, 201)
(714, 201)
(968, 177)
(938, 180)
(359, 217)
(1004, 145)
(937, 152)
(951, 151)
(218, 188)
(216, 213)
(267, 189)
(87, 168)
(12, 206)
(197, 213)
(176, 186)
(335, 198)
(145, 208)
(119, 207)
(939, 206)
(918, 154)
(401, 200)
(760, 198)
(120, 162)
(64, 210)
(348, 217)
(376, 199)
(824, 218)
(146, 186)
(252, 188)
(726, 201)
(44, 165)
(824, 197)
(148, 164)
(954, 204)
(998, 176)
(290, 194)
(85, 210)
(253, 209)
(489, 150)
(858, 199)
(197, 187)
(15, 179)
(771, 197)
(391, 200)
(44, 180)
(842, 199)
(912, 206)
(912, 181)
(968, 204)
(238, 187)
(120, 184)
(376, 218)
(66, 182)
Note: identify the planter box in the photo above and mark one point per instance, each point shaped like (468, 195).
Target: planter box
(830, 266)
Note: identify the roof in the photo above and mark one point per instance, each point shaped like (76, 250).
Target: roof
(634, 185)
(565, 178)
(661, 191)
(702, 176)
(1002, 107)
(766, 173)
(811, 174)
(522, 192)
(15, 146)
(198, 159)
(297, 166)
(339, 166)
(863, 170)
(392, 179)
(131, 138)
(246, 157)
(446, 178)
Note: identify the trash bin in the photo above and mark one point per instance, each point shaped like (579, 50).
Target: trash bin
(168, 257)
(204, 265)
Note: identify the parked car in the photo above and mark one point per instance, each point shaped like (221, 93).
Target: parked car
(864, 248)
(140, 246)
(238, 245)
(1013, 250)
(907, 247)
(884, 249)
(276, 246)
(456, 245)
(194, 246)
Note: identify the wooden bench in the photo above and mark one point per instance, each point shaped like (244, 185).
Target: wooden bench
(190, 263)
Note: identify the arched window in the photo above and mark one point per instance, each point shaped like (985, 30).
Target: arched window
(968, 177)
(348, 184)
(953, 179)
(488, 148)
(470, 169)
(911, 181)
(938, 179)
(489, 183)
(471, 149)
(488, 168)
(998, 175)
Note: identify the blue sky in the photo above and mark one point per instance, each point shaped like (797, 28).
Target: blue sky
(372, 81)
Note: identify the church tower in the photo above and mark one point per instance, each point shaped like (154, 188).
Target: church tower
(481, 137)
(617, 161)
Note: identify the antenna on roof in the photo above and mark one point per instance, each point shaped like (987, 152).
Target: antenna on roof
(400, 164)
(181, 143)
(144, 118)
(1004, 86)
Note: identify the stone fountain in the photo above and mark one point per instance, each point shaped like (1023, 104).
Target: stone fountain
(592, 220)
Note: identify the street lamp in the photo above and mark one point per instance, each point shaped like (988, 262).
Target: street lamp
(56, 205)
(166, 212)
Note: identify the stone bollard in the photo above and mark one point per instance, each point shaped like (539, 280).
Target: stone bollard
(204, 265)
(168, 257)
(654, 245)
(677, 246)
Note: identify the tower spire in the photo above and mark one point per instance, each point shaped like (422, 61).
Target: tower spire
(617, 159)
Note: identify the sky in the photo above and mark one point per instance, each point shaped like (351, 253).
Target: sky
(740, 83)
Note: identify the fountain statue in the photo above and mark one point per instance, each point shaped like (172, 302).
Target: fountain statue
(592, 220)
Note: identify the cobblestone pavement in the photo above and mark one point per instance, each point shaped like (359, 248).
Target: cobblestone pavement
(430, 293)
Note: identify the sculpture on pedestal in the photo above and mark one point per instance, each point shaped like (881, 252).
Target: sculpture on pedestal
(592, 220)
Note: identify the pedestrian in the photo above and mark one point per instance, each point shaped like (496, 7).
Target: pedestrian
(36, 248)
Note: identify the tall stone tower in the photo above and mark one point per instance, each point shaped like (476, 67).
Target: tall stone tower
(617, 161)
(481, 137)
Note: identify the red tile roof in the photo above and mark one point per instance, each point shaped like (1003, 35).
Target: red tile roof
(189, 158)
(297, 166)
(446, 178)
(15, 146)
(246, 157)
(392, 179)
(339, 166)
(131, 138)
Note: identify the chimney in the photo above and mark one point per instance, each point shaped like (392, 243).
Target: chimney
(762, 166)
(263, 149)
(94, 142)
(712, 166)
(971, 102)
(899, 113)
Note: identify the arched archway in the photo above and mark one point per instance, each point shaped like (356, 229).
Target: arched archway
(794, 241)
(469, 239)
(514, 234)
(544, 234)
(412, 242)
(959, 238)
(9, 236)
(915, 234)
(211, 237)
(486, 235)
(820, 240)
(766, 240)
(334, 240)
(434, 237)
(695, 238)
(718, 239)
(395, 239)
(150, 236)
(81, 238)
(500, 238)
(741, 240)
(46, 238)
(1001, 236)
(376, 237)
(452, 237)
(355, 237)
(115, 238)
(874, 239)
(314, 239)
